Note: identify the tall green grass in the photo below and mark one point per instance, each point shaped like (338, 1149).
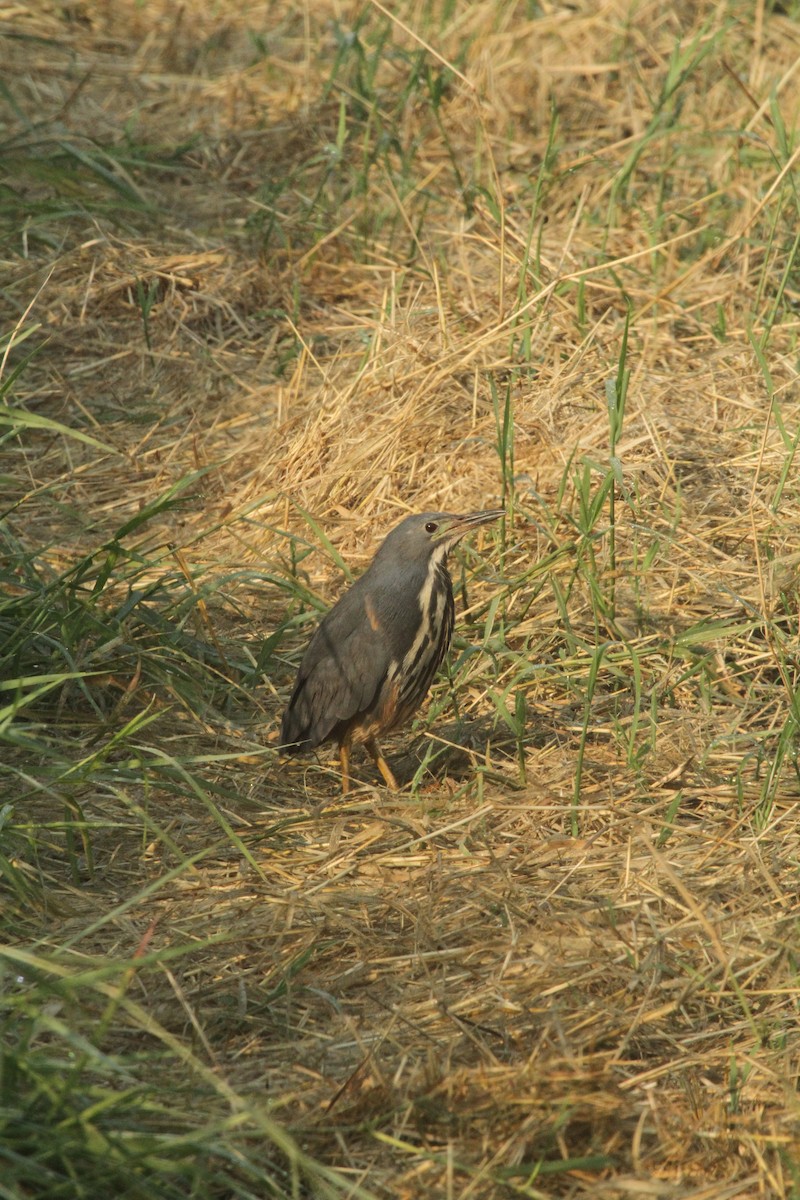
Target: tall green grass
(97, 1096)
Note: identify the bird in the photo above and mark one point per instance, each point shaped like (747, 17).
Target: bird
(372, 658)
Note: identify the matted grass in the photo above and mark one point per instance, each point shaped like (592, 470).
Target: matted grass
(274, 277)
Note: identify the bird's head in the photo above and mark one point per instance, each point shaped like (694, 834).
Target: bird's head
(431, 536)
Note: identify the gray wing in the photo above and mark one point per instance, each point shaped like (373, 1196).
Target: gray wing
(340, 675)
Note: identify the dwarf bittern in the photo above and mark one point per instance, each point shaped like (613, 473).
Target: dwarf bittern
(371, 661)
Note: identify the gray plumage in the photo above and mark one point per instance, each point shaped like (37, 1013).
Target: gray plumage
(371, 661)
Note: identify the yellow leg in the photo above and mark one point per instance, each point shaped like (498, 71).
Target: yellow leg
(374, 750)
(344, 759)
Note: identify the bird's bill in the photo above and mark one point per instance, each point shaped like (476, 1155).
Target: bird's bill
(454, 528)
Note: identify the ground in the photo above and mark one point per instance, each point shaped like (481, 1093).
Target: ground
(273, 277)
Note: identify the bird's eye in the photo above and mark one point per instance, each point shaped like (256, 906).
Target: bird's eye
(431, 527)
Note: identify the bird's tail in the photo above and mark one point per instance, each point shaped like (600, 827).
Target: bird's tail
(294, 731)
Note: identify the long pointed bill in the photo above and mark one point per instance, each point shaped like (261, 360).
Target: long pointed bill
(454, 528)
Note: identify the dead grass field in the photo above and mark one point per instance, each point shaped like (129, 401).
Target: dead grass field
(290, 272)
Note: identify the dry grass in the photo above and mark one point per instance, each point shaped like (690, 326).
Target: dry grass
(565, 961)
